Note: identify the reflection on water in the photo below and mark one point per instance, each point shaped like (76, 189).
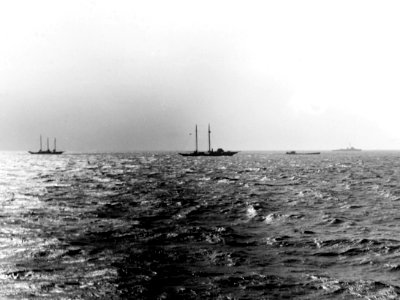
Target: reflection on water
(157, 225)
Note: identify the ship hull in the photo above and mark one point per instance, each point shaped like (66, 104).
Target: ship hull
(47, 152)
(193, 154)
(302, 153)
(227, 153)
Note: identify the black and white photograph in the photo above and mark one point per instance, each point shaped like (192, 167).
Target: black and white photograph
(181, 149)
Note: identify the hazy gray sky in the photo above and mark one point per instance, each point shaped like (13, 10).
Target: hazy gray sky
(138, 75)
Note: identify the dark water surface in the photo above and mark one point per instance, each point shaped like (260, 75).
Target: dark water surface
(161, 226)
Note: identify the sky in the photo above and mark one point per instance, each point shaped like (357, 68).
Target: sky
(139, 75)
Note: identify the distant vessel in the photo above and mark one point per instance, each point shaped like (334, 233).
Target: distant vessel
(48, 151)
(210, 152)
(302, 153)
(348, 149)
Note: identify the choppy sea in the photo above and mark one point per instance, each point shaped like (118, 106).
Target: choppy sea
(259, 225)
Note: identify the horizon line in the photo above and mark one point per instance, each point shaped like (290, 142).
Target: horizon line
(168, 150)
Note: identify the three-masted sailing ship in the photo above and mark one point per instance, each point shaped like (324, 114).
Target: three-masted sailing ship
(48, 151)
(210, 152)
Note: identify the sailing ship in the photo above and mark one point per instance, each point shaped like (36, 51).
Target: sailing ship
(48, 151)
(210, 152)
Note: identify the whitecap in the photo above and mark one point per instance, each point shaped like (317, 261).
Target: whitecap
(251, 212)
(224, 181)
(271, 218)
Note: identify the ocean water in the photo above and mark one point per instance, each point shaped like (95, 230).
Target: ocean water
(161, 226)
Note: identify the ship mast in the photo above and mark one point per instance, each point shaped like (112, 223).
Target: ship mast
(54, 144)
(209, 138)
(197, 143)
(40, 143)
(48, 148)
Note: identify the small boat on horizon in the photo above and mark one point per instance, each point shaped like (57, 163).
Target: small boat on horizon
(302, 153)
(210, 152)
(351, 148)
(48, 151)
